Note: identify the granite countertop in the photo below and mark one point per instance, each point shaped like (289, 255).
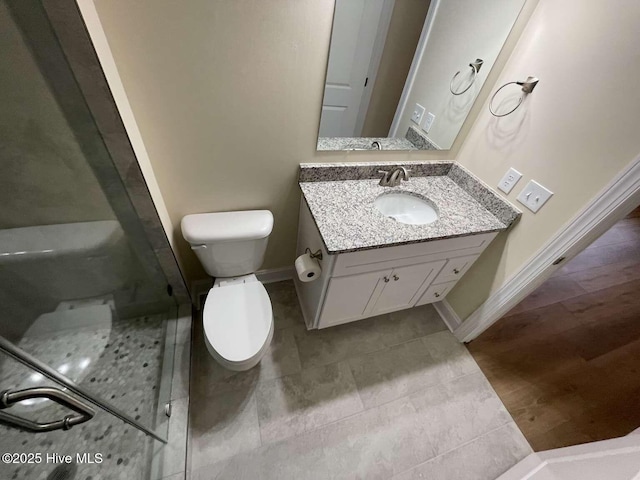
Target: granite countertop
(347, 219)
(363, 143)
(414, 139)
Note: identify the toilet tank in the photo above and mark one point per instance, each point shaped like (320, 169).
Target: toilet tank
(229, 244)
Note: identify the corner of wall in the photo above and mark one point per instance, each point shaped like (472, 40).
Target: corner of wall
(103, 51)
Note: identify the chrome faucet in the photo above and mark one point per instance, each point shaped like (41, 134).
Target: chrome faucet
(392, 177)
(376, 145)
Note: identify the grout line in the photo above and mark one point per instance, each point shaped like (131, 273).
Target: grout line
(364, 410)
(357, 389)
(262, 442)
(376, 350)
(320, 427)
(459, 446)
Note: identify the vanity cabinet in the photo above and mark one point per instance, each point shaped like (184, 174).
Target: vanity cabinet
(347, 297)
(361, 284)
(374, 293)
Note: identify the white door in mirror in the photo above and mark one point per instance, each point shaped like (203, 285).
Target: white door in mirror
(534, 196)
(352, 43)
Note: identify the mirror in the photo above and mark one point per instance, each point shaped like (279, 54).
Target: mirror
(404, 74)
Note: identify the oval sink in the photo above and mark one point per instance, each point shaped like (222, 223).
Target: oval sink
(406, 208)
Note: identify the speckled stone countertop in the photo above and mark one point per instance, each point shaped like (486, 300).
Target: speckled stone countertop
(413, 140)
(364, 143)
(348, 221)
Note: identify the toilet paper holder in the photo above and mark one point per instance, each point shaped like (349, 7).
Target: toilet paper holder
(317, 254)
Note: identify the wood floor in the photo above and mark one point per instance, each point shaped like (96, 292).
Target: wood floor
(566, 361)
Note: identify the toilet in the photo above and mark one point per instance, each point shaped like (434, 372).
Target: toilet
(237, 317)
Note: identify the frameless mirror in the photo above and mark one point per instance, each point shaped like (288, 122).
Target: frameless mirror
(404, 74)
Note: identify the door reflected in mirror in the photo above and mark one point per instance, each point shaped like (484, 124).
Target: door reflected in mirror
(404, 74)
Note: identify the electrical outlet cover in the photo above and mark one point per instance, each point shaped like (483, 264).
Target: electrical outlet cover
(428, 122)
(509, 180)
(418, 113)
(534, 196)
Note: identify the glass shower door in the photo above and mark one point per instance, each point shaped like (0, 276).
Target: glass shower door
(80, 287)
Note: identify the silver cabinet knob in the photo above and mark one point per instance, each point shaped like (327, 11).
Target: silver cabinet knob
(386, 279)
(436, 294)
(456, 271)
(396, 278)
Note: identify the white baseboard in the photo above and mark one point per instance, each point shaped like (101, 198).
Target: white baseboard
(273, 275)
(449, 317)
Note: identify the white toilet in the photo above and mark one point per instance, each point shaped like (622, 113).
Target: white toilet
(237, 316)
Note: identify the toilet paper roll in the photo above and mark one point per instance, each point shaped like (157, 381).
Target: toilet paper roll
(307, 268)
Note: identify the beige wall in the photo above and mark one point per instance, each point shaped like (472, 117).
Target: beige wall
(405, 27)
(227, 96)
(462, 31)
(46, 178)
(576, 131)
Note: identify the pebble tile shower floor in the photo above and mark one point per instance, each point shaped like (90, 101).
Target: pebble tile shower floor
(395, 396)
(126, 373)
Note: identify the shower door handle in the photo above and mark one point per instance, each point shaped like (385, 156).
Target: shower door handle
(84, 413)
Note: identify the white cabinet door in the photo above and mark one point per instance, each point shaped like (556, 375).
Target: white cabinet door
(347, 297)
(403, 287)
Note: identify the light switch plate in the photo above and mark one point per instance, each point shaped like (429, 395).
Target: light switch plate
(418, 113)
(428, 121)
(509, 180)
(534, 196)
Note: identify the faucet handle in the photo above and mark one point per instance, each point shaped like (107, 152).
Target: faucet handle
(384, 180)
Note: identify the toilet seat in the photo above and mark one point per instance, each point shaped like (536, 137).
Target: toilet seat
(238, 321)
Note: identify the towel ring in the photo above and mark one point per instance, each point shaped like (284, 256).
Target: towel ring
(475, 68)
(527, 87)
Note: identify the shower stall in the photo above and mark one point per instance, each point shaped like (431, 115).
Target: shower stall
(89, 286)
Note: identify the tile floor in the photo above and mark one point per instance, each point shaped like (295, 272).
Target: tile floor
(565, 361)
(395, 396)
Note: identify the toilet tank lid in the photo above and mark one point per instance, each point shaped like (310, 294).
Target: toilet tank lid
(203, 228)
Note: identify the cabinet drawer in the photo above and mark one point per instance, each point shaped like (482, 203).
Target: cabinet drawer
(403, 255)
(436, 293)
(455, 268)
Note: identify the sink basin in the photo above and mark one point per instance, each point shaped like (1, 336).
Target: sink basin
(406, 208)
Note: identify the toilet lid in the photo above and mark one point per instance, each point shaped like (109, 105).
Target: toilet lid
(237, 320)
